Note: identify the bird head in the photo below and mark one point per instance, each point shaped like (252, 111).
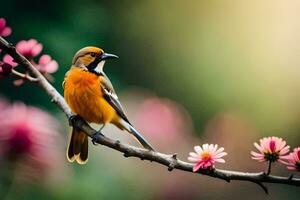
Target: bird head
(91, 59)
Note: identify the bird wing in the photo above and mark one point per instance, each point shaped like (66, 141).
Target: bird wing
(111, 96)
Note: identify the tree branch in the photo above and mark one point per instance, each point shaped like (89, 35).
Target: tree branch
(170, 161)
(24, 76)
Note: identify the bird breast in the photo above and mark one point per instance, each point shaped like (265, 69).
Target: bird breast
(84, 96)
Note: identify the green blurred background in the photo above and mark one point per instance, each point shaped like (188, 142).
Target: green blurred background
(232, 66)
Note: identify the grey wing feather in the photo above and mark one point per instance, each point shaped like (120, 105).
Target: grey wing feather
(112, 98)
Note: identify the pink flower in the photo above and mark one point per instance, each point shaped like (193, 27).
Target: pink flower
(270, 149)
(4, 30)
(293, 160)
(3, 103)
(30, 48)
(47, 65)
(6, 66)
(162, 118)
(207, 156)
(28, 140)
(9, 60)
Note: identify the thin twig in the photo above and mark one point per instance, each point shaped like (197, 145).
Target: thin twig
(170, 161)
(265, 189)
(24, 76)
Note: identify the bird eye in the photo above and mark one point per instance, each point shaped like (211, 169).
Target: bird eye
(93, 54)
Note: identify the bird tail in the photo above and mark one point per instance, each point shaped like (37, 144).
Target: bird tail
(78, 147)
(128, 127)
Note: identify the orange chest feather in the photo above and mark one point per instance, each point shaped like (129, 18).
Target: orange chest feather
(83, 93)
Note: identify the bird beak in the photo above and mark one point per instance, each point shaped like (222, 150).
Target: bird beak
(107, 56)
(97, 65)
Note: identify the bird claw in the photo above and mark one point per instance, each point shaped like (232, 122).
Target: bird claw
(73, 118)
(95, 137)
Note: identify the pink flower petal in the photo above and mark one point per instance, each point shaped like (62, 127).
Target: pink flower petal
(193, 154)
(258, 159)
(281, 144)
(287, 157)
(215, 148)
(51, 67)
(207, 165)
(293, 157)
(2, 23)
(220, 155)
(205, 147)
(36, 50)
(9, 60)
(31, 43)
(21, 46)
(196, 167)
(297, 150)
(272, 145)
(291, 168)
(18, 82)
(193, 159)
(282, 161)
(44, 59)
(198, 149)
(219, 150)
(285, 150)
(6, 32)
(30, 48)
(258, 147)
(211, 147)
(257, 154)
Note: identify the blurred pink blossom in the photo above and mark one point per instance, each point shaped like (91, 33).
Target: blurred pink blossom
(270, 149)
(293, 160)
(28, 139)
(206, 156)
(4, 29)
(47, 65)
(19, 82)
(6, 66)
(9, 60)
(161, 118)
(29, 48)
(3, 103)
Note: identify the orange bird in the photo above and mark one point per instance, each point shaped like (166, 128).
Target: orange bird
(90, 95)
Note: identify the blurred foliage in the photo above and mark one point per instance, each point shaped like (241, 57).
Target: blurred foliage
(213, 57)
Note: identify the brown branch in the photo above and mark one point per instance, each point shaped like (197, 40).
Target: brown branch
(170, 161)
(42, 81)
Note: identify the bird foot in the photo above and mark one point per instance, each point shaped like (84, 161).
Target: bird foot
(95, 137)
(73, 119)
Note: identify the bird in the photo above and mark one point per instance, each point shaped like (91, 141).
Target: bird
(91, 96)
